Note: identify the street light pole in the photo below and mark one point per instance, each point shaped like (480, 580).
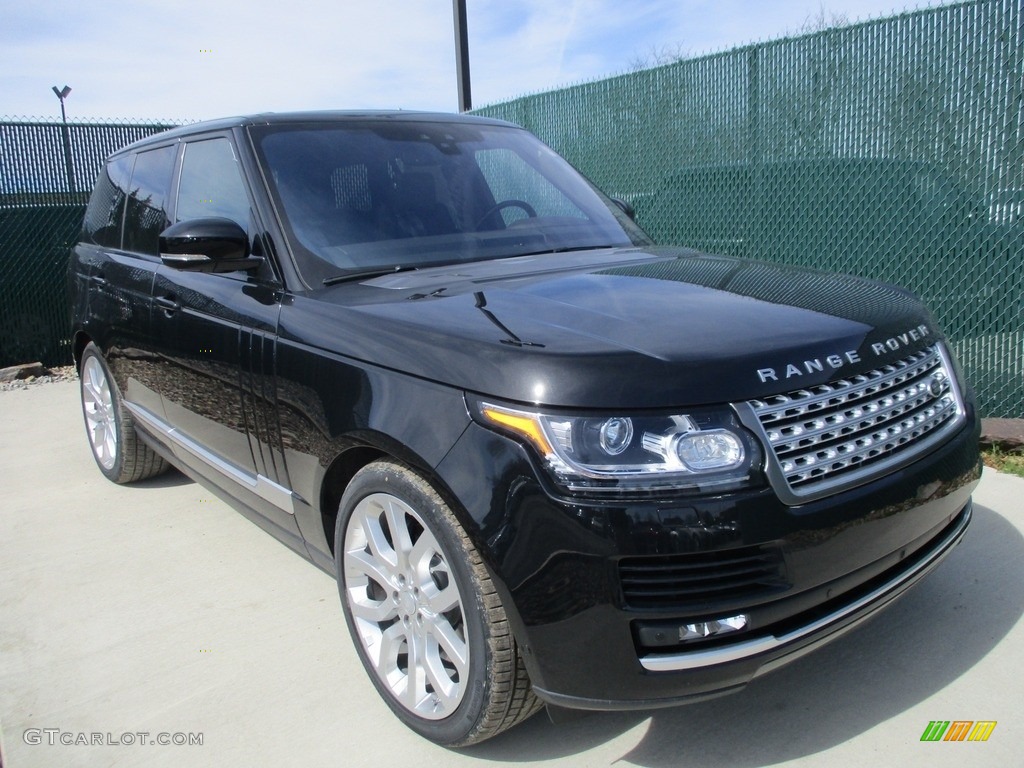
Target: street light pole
(462, 55)
(69, 167)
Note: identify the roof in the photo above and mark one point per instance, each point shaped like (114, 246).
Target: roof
(324, 116)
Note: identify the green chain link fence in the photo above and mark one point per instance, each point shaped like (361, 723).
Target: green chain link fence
(46, 173)
(890, 149)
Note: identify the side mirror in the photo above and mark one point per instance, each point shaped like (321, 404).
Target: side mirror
(626, 208)
(207, 245)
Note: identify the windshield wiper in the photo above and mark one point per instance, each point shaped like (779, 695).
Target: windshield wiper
(365, 274)
(570, 248)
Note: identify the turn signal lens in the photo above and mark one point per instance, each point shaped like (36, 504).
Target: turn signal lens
(525, 425)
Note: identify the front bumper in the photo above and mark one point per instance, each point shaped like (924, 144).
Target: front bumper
(735, 664)
(819, 569)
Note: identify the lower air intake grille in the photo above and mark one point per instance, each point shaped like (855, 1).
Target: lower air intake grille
(691, 581)
(828, 437)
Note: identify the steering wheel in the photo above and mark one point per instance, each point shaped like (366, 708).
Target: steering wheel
(521, 204)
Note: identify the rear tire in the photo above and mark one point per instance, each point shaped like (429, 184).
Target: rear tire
(423, 612)
(119, 453)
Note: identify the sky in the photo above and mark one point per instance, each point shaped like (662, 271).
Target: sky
(199, 59)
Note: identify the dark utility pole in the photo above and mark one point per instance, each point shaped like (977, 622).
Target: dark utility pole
(462, 55)
(69, 168)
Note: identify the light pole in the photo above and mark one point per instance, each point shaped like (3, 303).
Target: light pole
(68, 166)
(462, 55)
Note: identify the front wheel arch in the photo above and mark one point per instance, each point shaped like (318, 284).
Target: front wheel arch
(339, 474)
(361, 450)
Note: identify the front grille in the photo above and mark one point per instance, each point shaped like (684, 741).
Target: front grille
(693, 581)
(828, 436)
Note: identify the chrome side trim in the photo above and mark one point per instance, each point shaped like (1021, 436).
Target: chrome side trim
(262, 486)
(184, 259)
(675, 662)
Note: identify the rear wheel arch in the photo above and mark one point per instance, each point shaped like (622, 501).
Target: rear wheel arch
(78, 344)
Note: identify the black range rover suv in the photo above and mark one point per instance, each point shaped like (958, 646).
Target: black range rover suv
(549, 461)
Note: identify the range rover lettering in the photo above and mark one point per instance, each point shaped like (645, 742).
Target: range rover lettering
(548, 461)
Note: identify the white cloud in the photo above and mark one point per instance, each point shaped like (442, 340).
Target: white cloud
(208, 58)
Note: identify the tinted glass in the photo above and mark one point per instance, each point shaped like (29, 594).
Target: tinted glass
(367, 195)
(146, 212)
(211, 183)
(509, 177)
(103, 216)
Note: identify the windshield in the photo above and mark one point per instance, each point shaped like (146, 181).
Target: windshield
(365, 195)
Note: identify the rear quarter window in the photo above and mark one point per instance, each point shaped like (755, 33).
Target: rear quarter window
(105, 212)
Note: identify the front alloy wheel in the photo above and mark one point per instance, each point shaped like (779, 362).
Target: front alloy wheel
(407, 610)
(423, 612)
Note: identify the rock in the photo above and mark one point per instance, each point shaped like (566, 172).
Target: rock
(23, 371)
(1005, 433)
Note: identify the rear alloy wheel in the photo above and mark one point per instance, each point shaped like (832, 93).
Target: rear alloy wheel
(119, 453)
(423, 612)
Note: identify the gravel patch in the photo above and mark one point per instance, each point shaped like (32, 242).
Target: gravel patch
(60, 373)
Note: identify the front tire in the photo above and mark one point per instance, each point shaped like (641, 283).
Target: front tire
(423, 612)
(119, 453)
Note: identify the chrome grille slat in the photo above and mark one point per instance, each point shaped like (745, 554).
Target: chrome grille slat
(843, 420)
(823, 434)
(824, 395)
(881, 443)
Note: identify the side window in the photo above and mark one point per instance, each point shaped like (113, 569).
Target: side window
(211, 183)
(512, 178)
(146, 212)
(105, 212)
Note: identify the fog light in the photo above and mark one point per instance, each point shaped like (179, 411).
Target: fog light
(712, 628)
(670, 634)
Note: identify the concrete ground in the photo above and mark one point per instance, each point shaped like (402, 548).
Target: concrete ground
(157, 609)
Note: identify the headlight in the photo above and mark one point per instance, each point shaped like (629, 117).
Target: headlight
(703, 449)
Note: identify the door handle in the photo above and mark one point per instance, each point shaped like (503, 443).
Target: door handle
(168, 304)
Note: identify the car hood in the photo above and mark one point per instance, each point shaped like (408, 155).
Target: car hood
(623, 328)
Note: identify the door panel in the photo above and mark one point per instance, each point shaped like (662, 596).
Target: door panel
(123, 219)
(257, 359)
(215, 335)
(120, 300)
